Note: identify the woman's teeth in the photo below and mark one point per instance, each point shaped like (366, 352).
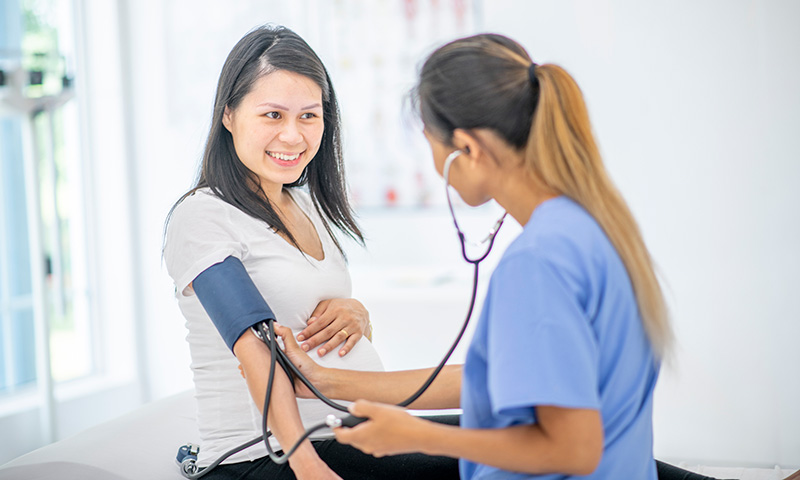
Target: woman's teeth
(285, 158)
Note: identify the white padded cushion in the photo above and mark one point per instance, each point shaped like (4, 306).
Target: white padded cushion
(139, 445)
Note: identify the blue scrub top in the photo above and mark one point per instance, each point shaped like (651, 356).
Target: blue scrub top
(560, 326)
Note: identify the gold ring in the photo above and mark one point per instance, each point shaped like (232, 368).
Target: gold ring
(345, 333)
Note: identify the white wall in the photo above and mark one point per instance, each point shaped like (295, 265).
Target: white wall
(696, 110)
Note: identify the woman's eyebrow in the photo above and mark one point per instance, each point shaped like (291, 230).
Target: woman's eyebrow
(273, 105)
(281, 107)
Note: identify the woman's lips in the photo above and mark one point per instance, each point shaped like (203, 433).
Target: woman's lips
(285, 159)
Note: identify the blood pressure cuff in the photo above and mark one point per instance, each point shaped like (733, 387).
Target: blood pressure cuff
(231, 299)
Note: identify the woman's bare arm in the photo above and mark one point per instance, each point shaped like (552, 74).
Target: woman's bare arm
(283, 416)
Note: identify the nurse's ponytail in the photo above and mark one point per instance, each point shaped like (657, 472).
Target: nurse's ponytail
(487, 81)
(562, 151)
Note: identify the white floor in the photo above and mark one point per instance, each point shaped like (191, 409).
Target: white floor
(776, 473)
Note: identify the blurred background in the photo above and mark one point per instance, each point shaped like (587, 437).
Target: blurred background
(104, 108)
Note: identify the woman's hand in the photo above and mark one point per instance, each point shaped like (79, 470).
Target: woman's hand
(336, 321)
(390, 430)
(312, 371)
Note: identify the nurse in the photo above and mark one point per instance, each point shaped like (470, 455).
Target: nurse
(559, 378)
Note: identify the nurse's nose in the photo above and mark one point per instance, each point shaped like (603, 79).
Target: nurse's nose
(290, 134)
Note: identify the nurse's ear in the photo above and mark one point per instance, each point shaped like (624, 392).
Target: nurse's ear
(469, 144)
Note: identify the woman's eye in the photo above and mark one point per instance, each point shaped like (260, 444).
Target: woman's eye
(273, 115)
(308, 115)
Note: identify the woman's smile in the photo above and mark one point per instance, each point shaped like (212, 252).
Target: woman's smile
(285, 159)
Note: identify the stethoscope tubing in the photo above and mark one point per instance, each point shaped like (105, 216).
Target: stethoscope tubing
(278, 353)
(290, 367)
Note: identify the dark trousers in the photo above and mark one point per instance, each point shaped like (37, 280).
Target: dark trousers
(350, 463)
(671, 472)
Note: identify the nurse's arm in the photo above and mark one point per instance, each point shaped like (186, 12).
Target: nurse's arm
(384, 387)
(395, 387)
(565, 440)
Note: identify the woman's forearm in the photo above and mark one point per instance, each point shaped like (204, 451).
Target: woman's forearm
(394, 387)
(283, 416)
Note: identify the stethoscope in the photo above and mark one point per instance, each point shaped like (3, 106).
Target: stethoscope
(265, 331)
(448, 162)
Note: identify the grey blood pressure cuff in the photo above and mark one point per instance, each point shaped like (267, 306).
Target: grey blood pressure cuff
(231, 299)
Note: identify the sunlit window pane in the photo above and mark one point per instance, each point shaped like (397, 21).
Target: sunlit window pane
(56, 145)
(16, 256)
(17, 357)
(39, 53)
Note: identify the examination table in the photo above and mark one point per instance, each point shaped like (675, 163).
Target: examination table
(142, 445)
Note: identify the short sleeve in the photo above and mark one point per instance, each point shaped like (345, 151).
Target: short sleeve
(200, 234)
(542, 348)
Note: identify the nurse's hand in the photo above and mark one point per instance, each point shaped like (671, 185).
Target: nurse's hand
(311, 369)
(339, 321)
(390, 430)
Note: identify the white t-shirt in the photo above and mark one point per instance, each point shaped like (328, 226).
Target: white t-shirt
(203, 231)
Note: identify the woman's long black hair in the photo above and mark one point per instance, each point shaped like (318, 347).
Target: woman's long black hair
(262, 51)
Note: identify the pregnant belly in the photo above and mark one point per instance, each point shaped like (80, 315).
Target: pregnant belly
(363, 357)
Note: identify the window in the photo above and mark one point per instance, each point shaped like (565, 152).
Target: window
(43, 263)
(17, 363)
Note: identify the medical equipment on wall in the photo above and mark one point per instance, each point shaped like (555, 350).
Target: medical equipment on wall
(230, 292)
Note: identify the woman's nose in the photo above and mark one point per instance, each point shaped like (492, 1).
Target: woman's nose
(290, 134)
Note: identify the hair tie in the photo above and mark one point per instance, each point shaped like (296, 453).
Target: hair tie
(532, 73)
